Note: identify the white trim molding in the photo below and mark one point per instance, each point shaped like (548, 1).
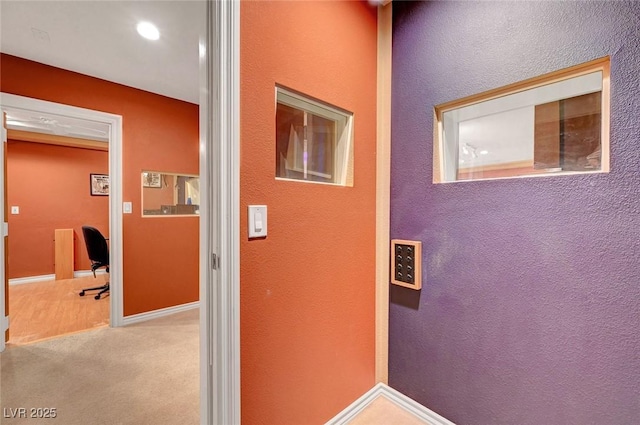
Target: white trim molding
(32, 279)
(45, 277)
(85, 273)
(402, 401)
(3, 234)
(220, 216)
(155, 314)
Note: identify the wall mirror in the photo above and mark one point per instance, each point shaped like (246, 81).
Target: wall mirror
(169, 194)
(554, 124)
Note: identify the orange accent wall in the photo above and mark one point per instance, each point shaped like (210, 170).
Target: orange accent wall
(307, 290)
(50, 185)
(160, 266)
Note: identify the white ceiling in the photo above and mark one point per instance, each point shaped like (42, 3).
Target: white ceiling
(99, 38)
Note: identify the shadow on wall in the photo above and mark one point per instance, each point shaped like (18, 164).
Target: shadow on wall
(403, 9)
(405, 297)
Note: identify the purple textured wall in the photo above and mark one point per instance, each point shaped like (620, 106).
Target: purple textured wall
(530, 307)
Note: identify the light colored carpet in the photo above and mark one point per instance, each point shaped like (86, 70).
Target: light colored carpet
(146, 373)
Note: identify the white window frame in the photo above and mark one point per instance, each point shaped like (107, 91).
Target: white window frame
(343, 137)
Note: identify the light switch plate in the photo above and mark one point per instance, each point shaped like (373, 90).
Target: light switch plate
(257, 221)
(15, 210)
(127, 208)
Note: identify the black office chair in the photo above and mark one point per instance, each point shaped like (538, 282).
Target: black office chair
(98, 254)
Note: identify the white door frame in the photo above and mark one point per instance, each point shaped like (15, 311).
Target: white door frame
(4, 320)
(220, 211)
(9, 102)
(220, 216)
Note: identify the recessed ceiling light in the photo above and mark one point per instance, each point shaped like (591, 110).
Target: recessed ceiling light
(484, 152)
(148, 30)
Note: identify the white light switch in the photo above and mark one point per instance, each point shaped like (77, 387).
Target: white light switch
(127, 208)
(15, 210)
(257, 221)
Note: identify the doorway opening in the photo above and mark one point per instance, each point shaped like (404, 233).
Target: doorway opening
(37, 313)
(50, 160)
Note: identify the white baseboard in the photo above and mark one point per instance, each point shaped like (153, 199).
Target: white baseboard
(399, 399)
(31, 279)
(44, 277)
(83, 273)
(155, 314)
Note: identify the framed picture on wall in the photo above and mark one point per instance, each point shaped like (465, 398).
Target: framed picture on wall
(99, 184)
(150, 179)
